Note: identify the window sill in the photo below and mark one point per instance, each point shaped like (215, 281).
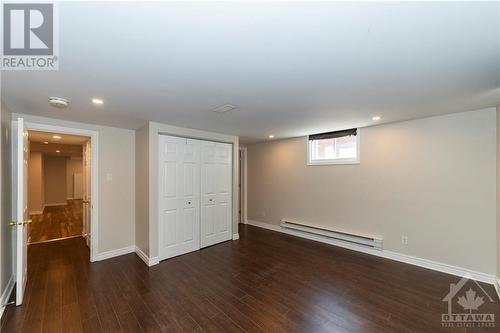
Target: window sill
(333, 162)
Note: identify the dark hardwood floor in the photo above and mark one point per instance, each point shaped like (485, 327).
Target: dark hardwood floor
(57, 222)
(264, 282)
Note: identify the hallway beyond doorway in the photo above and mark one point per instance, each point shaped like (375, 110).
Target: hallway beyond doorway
(57, 222)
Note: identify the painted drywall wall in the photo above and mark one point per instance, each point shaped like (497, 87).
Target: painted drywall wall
(36, 192)
(116, 181)
(142, 189)
(154, 130)
(51, 180)
(432, 179)
(74, 165)
(6, 232)
(54, 176)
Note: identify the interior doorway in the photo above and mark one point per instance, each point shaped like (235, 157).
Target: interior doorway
(57, 190)
(49, 142)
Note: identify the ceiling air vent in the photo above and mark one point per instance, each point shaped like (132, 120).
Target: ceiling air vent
(224, 108)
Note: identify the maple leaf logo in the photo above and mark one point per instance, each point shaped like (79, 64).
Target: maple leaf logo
(470, 301)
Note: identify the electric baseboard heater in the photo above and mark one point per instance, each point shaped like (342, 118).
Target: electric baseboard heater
(370, 242)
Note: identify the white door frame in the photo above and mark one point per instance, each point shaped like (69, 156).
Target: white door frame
(94, 136)
(243, 182)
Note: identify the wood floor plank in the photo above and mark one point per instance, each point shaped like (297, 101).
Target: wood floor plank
(71, 321)
(92, 325)
(129, 323)
(52, 318)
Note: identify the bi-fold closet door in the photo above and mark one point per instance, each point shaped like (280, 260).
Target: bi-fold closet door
(195, 194)
(216, 192)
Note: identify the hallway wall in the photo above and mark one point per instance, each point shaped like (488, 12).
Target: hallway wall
(36, 195)
(54, 174)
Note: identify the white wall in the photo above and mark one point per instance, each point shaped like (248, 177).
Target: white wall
(431, 179)
(6, 232)
(142, 188)
(117, 195)
(36, 196)
(54, 177)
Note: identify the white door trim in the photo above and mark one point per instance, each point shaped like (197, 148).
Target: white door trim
(94, 141)
(243, 182)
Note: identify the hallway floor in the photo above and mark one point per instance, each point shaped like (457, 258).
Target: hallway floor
(57, 222)
(264, 282)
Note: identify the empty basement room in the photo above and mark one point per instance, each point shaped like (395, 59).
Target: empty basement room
(266, 166)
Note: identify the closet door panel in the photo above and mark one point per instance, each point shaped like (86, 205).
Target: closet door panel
(216, 189)
(224, 191)
(179, 223)
(191, 194)
(169, 192)
(188, 234)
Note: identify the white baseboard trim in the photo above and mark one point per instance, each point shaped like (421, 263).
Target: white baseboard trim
(114, 253)
(497, 286)
(4, 298)
(236, 236)
(147, 260)
(425, 263)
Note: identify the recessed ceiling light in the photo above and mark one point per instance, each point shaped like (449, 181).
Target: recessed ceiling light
(97, 101)
(376, 118)
(58, 151)
(45, 142)
(271, 136)
(57, 137)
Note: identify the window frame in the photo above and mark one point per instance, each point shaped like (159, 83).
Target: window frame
(336, 161)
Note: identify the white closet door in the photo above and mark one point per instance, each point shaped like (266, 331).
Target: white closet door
(216, 193)
(179, 199)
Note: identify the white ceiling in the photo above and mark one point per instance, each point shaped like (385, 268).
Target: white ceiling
(67, 139)
(292, 68)
(67, 145)
(56, 149)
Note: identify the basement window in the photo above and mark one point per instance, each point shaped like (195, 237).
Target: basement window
(339, 147)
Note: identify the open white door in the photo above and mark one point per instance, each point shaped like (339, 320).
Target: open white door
(87, 176)
(22, 210)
